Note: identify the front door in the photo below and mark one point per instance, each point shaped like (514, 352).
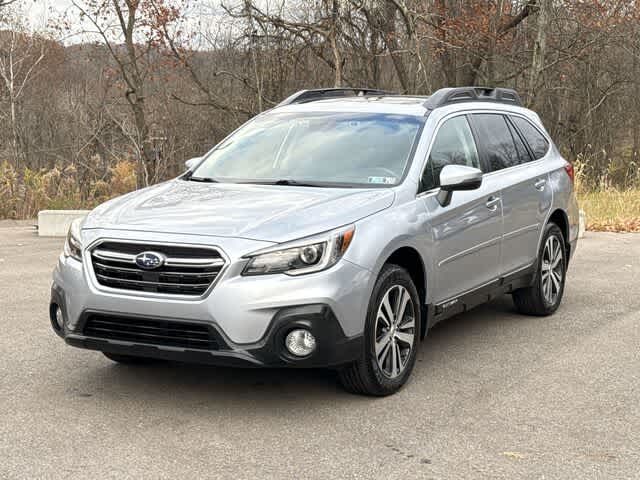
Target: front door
(467, 232)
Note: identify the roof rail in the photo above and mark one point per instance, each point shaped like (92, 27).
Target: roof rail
(448, 96)
(304, 96)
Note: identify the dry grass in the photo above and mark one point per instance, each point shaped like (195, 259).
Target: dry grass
(611, 199)
(24, 193)
(611, 210)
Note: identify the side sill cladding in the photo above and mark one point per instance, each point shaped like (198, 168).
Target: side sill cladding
(467, 301)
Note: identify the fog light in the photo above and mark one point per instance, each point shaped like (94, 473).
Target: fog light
(59, 317)
(300, 343)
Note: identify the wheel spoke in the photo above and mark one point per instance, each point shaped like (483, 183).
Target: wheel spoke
(405, 337)
(384, 355)
(401, 305)
(556, 281)
(387, 306)
(557, 255)
(548, 249)
(410, 322)
(383, 342)
(400, 364)
(547, 290)
(394, 359)
(382, 316)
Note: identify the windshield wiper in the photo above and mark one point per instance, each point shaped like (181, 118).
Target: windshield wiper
(295, 183)
(202, 179)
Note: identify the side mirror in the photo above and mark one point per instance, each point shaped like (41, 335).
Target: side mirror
(457, 177)
(191, 163)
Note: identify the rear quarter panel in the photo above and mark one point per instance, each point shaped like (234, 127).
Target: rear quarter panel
(564, 197)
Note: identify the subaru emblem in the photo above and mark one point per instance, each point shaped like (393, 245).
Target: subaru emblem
(150, 260)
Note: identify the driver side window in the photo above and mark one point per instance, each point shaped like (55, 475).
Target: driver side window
(453, 145)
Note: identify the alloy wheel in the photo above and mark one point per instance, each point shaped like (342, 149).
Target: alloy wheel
(552, 269)
(395, 329)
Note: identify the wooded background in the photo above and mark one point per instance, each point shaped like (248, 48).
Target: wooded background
(115, 94)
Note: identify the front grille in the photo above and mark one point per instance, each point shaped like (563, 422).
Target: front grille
(186, 270)
(151, 331)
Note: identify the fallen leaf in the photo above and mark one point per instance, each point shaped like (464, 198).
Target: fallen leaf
(515, 455)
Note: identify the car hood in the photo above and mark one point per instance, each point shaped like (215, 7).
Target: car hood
(258, 212)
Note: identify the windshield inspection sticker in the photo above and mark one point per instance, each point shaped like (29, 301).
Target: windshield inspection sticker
(382, 180)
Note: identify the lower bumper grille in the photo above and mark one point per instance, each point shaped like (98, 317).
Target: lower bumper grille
(181, 270)
(151, 331)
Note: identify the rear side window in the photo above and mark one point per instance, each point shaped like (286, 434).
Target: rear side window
(497, 141)
(523, 153)
(453, 145)
(537, 142)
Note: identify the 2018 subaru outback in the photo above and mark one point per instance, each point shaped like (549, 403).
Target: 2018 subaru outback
(331, 231)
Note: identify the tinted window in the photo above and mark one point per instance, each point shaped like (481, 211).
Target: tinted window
(537, 142)
(350, 148)
(453, 145)
(497, 141)
(523, 153)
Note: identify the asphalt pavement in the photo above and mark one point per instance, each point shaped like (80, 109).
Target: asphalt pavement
(494, 394)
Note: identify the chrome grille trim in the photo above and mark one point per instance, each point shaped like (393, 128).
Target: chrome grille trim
(169, 262)
(189, 271)
(146, 282)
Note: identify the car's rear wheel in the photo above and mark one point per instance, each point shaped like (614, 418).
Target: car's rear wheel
(543, 297)
(128, 359)
(392, 335)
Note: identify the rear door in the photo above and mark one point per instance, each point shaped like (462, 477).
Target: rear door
(526, 197)
(467, 232)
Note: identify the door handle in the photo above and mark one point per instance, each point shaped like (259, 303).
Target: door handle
(540, 184)
(492, 203)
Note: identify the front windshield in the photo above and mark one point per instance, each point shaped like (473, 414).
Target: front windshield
(358, 149)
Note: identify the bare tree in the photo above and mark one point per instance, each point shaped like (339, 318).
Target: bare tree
(539, 49)
(136, 24)
(20, 55)
(324, 25)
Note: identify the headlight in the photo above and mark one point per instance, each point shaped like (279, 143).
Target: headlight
(303, 256)
(73, 245)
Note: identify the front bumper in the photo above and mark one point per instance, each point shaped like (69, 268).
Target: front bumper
(334, 348)
(250, 315)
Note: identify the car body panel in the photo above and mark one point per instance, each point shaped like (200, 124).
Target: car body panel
(242, 308)
(467, 239)
(525, 209)
(272, 213)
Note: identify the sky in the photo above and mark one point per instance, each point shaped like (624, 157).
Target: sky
(42, 13)
(39, 11)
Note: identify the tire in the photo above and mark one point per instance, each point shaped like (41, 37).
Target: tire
(129, 359)
(537, 299)
(397, 340)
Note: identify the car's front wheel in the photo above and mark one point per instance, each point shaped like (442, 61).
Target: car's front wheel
(543, 297)
(392, 336)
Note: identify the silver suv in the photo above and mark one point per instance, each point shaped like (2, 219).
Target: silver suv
(331, 231)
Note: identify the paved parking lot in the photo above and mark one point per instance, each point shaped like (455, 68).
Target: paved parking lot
(494, 395)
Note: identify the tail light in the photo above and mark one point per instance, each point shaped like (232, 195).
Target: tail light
(569, 169)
